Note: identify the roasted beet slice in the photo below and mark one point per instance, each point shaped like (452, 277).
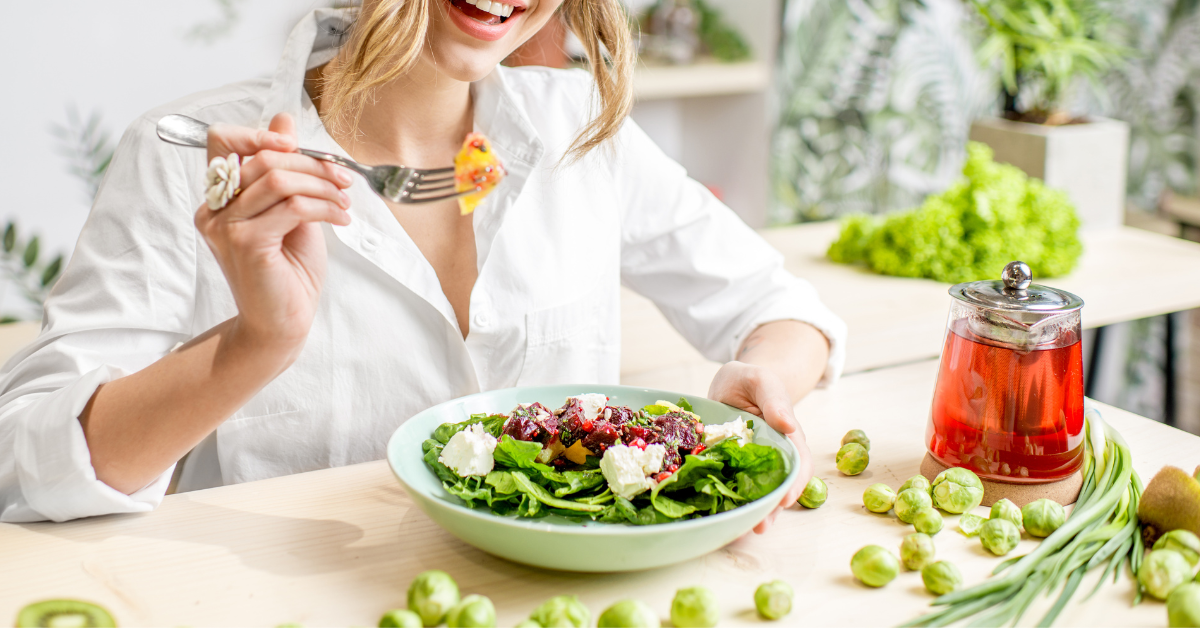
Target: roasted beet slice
(532, 422)
(678, 429)
(602, 436)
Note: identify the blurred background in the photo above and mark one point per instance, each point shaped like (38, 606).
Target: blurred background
(789, 110)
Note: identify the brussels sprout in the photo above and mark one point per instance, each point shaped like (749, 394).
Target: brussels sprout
(528, 623)
(474, 611)
(1183, 606)
(874, 566)
(431, 595)
(1043, 517)
(815, 493)
(857, 436)
(1183, 541)
(773, 599)
(941, 577)
(628, 614)
(1005, 509)
(400, 618)
(1162, 571)
(999, 536)
(879, 498)
(852, 459)
(562, 611)
(928, 521)
(916, 481)
(916, 551)
(957, 490)
(970, 524)
(909, 502)
(695, 607)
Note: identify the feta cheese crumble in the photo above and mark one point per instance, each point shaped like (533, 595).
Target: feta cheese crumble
(592, 404)
(737, 428)
(469, 452)
(627, 469)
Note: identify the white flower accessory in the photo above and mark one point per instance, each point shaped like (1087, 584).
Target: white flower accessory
(223, 178)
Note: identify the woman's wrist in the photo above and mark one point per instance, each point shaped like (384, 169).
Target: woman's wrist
(253, 346)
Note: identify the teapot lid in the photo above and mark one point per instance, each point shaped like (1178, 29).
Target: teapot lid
(1015, 292)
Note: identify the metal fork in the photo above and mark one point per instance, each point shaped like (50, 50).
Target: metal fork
(399, 184)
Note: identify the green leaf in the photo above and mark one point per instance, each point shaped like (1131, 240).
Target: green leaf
(641, 517)
(443, 472)
(492, 423)
(528, 487)
(519, 454)
(31, 252)
(755, 484)
(713, 484)
(683, 403)
(577, 481)
(655, 409)
(470, 491)
(502, 482)
(10, 237)
(51, 272)
(694, 468)
(670, 507)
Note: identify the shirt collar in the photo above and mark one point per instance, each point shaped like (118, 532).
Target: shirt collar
(498, 115)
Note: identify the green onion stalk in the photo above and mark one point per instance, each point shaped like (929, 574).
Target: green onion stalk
(1102, 532)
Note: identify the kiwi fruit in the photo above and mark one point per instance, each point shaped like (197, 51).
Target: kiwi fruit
(1171, 501)
(63, 614)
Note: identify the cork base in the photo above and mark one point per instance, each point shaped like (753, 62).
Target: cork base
(1063, 491)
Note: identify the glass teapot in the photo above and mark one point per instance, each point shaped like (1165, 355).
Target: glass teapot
(1008, 403)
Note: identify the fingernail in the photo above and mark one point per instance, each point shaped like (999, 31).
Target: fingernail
(343, 200)
(344, 177)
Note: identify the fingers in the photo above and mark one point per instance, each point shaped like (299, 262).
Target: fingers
(267, 160)
(268, 227)
(278, 186)
(224, 139)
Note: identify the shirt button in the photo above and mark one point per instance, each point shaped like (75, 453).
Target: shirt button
(370, 243)
(482, 320)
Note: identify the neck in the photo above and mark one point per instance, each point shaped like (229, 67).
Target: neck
(419, 119)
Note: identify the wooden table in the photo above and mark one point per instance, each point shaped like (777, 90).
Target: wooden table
(1125, 274)
(339, 546)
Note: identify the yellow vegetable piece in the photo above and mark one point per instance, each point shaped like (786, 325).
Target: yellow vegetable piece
(577, 453)
(476, 167)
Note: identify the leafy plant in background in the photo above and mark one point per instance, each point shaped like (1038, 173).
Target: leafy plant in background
(211, 31)
(996, 214)
(25, 270)
(86, 146)
(1044, 48)
(1157, 91)
(876, 100)
(718, 37)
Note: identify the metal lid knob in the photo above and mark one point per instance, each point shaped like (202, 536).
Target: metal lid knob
(1016, 276)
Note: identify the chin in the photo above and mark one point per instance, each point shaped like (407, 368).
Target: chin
(467, 43)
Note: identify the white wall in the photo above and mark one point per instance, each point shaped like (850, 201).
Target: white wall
(118, 57)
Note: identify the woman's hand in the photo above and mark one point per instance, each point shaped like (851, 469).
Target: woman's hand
(267, 240)
(759, 391)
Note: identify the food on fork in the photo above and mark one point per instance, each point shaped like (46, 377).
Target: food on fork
(477, 167)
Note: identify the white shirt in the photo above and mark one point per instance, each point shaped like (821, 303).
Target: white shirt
(555, 243)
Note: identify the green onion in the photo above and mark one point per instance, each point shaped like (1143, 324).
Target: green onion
(1102, 532)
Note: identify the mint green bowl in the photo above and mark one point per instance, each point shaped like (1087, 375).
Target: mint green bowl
(558, 543)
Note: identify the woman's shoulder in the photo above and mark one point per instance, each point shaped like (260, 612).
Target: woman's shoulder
(238, 103)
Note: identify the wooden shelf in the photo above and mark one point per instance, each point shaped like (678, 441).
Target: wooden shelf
(706, 78)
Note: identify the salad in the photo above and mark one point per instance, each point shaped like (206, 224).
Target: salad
(612, 464)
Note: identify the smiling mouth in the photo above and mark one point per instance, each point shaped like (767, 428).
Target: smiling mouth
(486, 11)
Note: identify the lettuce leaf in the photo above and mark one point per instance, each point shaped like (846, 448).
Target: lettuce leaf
(492, 423)
(539, 493)
(520, 454)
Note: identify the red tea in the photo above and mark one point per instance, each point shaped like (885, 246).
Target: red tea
(1008, 413)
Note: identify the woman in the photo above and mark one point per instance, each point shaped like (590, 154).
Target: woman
(296, 327)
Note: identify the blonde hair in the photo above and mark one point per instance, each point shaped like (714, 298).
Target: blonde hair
(386, 40)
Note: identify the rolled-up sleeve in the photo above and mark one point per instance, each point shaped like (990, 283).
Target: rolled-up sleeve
(124, 301)
(711, 275)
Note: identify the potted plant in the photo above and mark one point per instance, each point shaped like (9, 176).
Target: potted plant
(1045, 48)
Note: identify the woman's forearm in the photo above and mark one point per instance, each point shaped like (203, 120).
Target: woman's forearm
(796, 352)
(138, 426)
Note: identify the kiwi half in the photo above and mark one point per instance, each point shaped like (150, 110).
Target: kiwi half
(1171, 501)
(64, 614)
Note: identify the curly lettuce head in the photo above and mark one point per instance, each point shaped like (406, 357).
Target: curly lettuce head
(995, 215)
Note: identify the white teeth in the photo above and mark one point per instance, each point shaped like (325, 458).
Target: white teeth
(472, 2)
(484, 5)
(496, 9)
(508, 9)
